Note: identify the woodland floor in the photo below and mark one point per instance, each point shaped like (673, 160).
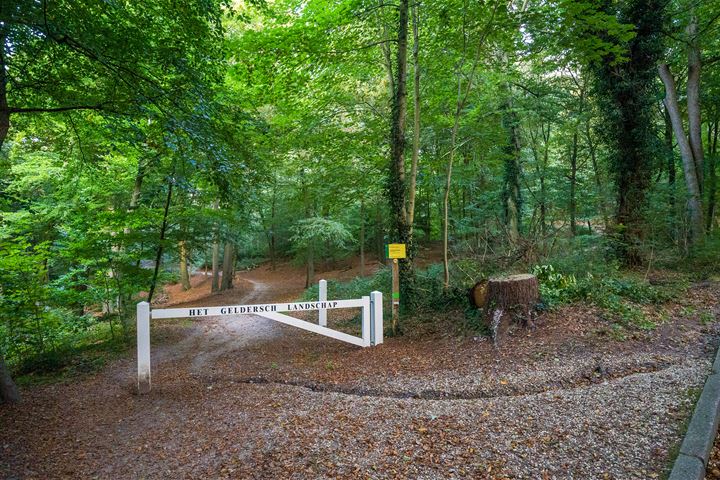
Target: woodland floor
(248, 398)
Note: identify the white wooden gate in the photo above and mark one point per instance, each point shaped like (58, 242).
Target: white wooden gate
(372, 322)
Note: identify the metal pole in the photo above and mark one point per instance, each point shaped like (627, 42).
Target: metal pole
(143, 346)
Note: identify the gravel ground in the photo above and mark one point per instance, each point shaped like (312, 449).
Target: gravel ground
(564, 402)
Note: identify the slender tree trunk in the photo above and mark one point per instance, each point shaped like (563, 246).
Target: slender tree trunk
(228, 267)
(385, 49)
(163, 228)
(184, 273)
(670, 159)
(137, 189)
(362, 238)
(273, 236)
(397, 185)
(428, 217)
(4, 108)
(446, 193)
(8, 391)
(689, 166)
(573, 183)
(123, 299)
(215, 286)
(712, 175)
(459, 106)
(511, 174)
(379, 234)
(599, 187)
(416, 118)
(540, 170)
(693, 100)
(310, 267)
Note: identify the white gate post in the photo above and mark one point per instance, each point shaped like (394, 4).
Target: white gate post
(143, 346)
(376, 318)
(322, 296)
(366, 321)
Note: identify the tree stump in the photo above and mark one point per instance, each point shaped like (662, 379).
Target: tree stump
(477, 294)
(510, 300)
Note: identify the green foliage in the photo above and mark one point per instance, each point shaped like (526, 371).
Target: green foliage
(432, 297)
(702, 262)
(321, 236)
(555, 287)
(619, 296)
(627, 95)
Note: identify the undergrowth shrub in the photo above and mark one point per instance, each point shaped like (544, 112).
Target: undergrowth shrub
(619, 296)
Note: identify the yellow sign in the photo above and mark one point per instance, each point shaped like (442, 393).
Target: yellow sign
(396, 250)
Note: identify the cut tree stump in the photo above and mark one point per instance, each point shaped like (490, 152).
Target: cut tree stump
(477, 294)
(510, 300)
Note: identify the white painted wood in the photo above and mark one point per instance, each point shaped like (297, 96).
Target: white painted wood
(311, 327)
(366, 321)
(322, 296)
(143, 346)
(376, 304)
(254, 309)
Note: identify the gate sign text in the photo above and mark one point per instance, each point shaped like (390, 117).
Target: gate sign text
(250, 309)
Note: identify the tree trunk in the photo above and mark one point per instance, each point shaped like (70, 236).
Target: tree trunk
(385, 49)
(215, 284)
(670, 159)
(691, 177)
(599, 188)
(8, 390)
(137, 188)
(273, 236)
(228, 267)
(459, 106)
(379, 234)
(310, 267)
(712, 176)
(362, 238)
(4, 108)
(428, 217)
(416, 118)
(446, 193)
(509, 299)
(397, 185)
(511, 174)
(541, 171)
(573, 182)
(184, 274)
(693, 100)
(163, 228)
(477, 294)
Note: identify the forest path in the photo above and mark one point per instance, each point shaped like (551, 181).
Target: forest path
(247, 398)
(213, 337)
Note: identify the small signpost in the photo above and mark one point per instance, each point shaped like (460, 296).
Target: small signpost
(395, 251)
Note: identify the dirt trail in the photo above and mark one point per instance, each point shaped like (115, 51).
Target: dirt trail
(213, 337)
(244, 397)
